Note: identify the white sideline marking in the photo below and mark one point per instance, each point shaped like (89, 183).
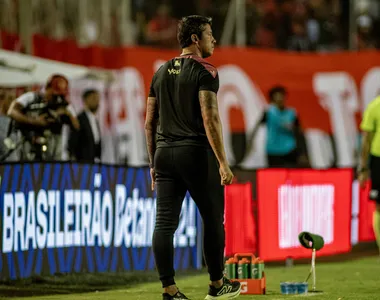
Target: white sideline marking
(299, 296)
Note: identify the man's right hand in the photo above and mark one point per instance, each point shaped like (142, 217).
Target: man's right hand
(226, 174)
(42, 121)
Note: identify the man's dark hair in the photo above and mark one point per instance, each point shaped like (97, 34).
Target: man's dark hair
(53, 78)
(191, 25)
(276, 89)
(88, 93)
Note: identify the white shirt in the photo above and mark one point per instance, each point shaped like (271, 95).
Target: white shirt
(94, 126)
(29, 97)
(26, 99)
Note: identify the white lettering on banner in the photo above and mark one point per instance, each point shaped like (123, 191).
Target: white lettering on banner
(51, 209)
(244, 286)
(31, 222)
(8, 214)
(355, 210)
(107, 217)
(187, 228)
(81, 218)
(19, 222)
(305, 208)
(95, 222)
(320, 148)
(120, 196)
(42, 208)
(338, 95)
(130, 131)
(69, 218)
(157, 64)
(77, 233)
(237, 90)
(370, 86)
(86, 218)
(59, 236)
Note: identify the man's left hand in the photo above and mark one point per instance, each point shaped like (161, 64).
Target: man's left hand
(153, 178)
(62, 111)
(363, 176)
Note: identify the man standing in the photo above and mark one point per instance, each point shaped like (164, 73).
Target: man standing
(85, 144)
(182, 111)
(284, 145)
(371, 149)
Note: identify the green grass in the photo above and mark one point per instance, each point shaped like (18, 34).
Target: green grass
(357, 279)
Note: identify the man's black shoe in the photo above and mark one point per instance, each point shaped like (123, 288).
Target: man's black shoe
(178, 296)
(229, 290)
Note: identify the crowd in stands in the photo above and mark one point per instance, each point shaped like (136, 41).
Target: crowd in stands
(294, 25)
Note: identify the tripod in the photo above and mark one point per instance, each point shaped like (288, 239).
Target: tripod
(37, 151)
(11, 147)
(315, 243)
(312, 270)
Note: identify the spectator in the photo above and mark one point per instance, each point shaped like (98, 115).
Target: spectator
(299, 40)
(162, 29)
(284, 28)
(85, 144)
(284, 132)
(365, 38)
(313, 29)
(265, 35)
(329, 34)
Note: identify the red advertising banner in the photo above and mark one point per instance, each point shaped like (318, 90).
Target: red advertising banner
(328, 91)
(366, 210)
(239, 224)
(292, 201)
(10, 41)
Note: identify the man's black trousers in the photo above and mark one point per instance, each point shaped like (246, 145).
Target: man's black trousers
(178, 170)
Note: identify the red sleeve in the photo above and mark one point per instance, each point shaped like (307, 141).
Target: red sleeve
(208, 81)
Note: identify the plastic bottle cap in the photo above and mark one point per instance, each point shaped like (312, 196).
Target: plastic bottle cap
(244, 261)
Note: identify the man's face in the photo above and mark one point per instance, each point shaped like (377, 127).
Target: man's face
(58, 88)
(279, 99)
(92, 102)
(53, 97)
(207, 43)
(49, 94)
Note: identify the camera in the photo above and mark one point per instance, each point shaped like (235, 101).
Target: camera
(39, 139)
(49, 109)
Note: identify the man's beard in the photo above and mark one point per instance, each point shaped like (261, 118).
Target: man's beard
(205, 54)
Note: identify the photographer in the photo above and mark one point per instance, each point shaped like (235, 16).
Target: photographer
(40, 117)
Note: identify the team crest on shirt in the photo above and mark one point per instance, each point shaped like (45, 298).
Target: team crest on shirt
(177, 63)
